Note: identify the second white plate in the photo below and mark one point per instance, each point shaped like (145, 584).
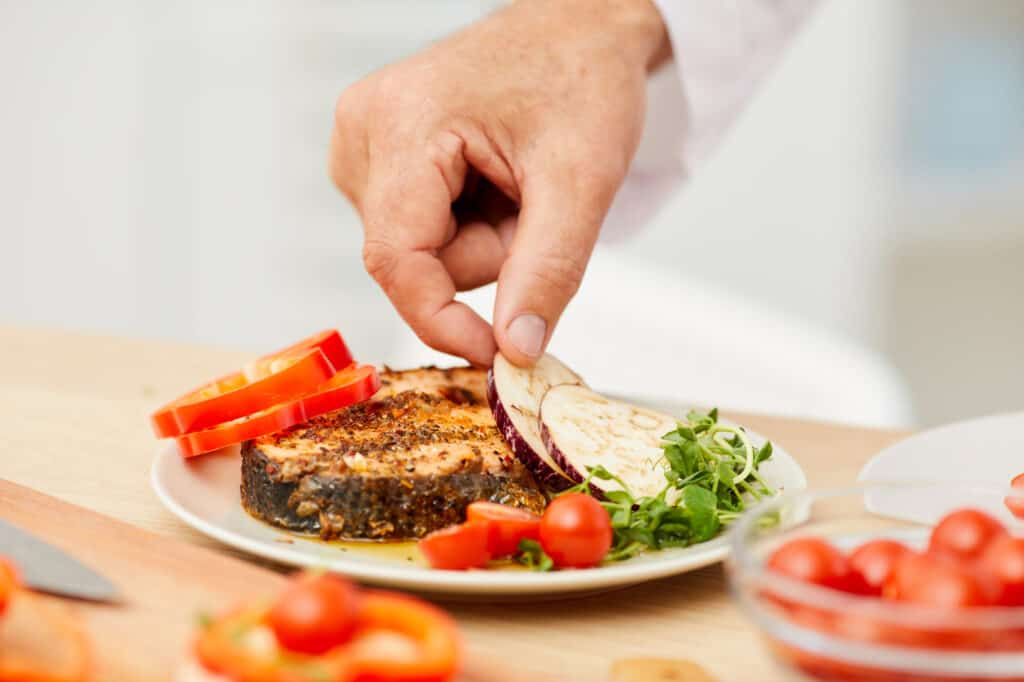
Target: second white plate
(975, 456)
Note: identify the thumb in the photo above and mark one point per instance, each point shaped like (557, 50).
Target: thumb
(559, 222)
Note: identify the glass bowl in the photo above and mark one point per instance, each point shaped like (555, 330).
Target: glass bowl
(830, 635)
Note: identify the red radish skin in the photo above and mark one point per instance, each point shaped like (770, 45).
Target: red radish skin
(563, 461)
(542, 472)
(534, 456)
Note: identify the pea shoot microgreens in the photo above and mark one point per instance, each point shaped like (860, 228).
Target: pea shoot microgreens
(711, 470)
(532, 555)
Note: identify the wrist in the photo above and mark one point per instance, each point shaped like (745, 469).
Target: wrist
(633, 28)
(644, 27)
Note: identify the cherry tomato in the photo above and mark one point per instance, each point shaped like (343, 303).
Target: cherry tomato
(813, 560)
(1016, 503)
(314, 613)
(935, 580)
(509, 525)
(457, 548)
(874, 562)
(964, 534)
(575, 531)
(1004, 561)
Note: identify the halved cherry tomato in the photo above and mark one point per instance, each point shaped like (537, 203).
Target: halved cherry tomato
(243, 648)
(964, 534)
(509, 525)
(315, 613)
(1016, 503)
(935, 580)
(456, 548)
(814, 560)
(874, 561)
(8, 583)
(345, 388)
(1003, 559)
(575, 531)
(424, 645)
(273, 379)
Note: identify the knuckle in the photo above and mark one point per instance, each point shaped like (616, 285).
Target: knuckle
(346, 161)
(598, 175)
(560, 272)
(348, 108)
(339, 168)
(425, 335)
(379, 261)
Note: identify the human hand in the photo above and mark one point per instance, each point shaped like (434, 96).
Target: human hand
(495, 155)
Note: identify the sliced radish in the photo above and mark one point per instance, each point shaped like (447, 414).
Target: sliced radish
(515, 394)
(582, 429)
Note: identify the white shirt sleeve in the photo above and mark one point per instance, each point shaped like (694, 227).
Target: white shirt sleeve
(722, 50)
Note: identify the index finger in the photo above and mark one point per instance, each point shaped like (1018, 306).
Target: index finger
(407, 220)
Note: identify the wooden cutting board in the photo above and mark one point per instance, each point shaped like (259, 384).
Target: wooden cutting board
(164, 584)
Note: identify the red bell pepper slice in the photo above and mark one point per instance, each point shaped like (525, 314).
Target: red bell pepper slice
(345, 388)
(396, 638)
(8, 583)
(269, 381)
(233, 646)
(41, 642)
(436, 653)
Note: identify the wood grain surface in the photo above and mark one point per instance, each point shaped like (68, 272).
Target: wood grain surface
(163, 585)
(74, 427)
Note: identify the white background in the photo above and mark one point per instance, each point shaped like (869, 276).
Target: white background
(162, 175)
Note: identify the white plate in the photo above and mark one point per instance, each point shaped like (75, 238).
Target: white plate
(204, 493)
(975, 456)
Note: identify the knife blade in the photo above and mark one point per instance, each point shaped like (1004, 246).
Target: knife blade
(45, 568)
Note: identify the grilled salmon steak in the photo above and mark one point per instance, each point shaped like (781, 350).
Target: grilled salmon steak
(399, 466)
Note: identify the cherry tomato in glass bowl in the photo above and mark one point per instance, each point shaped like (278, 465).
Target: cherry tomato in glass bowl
(935, 581)
(875, 561)
(1004, 560)
(964, 534)
(816, 561)
(1015, 503)
(944, 613)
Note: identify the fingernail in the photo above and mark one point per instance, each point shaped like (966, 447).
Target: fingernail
(527, 333)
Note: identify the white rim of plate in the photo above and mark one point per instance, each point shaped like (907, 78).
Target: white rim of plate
(642, 569)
